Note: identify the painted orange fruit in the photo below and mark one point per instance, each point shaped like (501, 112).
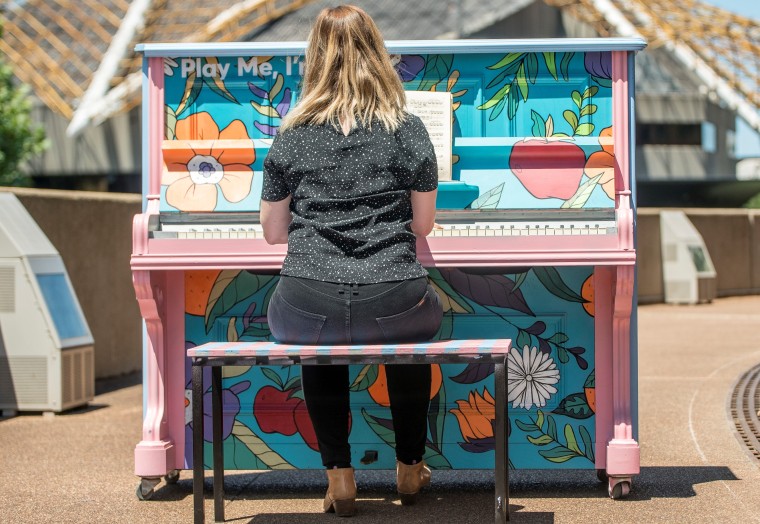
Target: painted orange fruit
(198, 286)
(591, 398)
(379, 388)
(587, 292)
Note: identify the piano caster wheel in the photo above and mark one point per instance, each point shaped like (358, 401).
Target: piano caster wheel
(601, 474)
(146, 487)
(619, 488)
(172, 477)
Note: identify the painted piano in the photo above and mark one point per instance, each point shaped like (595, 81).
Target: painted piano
(536, 244)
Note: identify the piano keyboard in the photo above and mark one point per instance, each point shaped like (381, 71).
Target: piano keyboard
(449, 224)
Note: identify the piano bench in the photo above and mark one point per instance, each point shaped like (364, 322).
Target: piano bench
(219, 354)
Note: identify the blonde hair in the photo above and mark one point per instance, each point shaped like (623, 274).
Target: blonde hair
(348, 74)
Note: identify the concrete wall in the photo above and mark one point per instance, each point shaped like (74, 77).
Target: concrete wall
(93, 234)
(732, 237)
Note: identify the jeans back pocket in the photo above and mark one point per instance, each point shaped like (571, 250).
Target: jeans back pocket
(416, 324)
(292, 325)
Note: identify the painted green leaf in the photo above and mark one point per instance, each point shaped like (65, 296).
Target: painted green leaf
(551, 64)
(489, 199)
(231, 287)
(496, 98)
(265, 110)
(513, 101)
(574, 406)
(531, 67)
(551, 427)
(435, 460)
(590, 380)
(170, 123)
(588, 110)
(542, 440)
(581, 196)
(279, 81)
(385, 433)
(437, 278)
(576, 96)
(509, 70)
(437, 67)
(499, 107)
(519, 279)
(587, 443)
(590, 91)
(558, 338)
(508, 59)
(570, 437)
(540, 419)
(539, 124)
(564, 65)
(522, 82)
(272, 375)
(571, 118)
(552, 281)
(523, 339)
(527, 427)
(366, 377)
(584, 129)
(558, 455)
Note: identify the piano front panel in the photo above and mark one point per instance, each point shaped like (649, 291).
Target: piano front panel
(548, 313)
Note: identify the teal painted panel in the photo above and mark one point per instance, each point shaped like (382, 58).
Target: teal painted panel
(531, 130)
(545, 311)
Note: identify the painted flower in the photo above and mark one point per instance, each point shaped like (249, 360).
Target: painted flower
(531, 375)
(598, 64)
(476, 416)
(196, 173)
(408, 66)
(603, 163)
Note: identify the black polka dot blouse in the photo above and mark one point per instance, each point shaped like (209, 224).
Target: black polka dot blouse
(350, 202)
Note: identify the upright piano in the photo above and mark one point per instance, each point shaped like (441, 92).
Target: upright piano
(536, 243)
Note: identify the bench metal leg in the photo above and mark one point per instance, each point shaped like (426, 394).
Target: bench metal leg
(501, 448)
(217, 417)
(198, 472)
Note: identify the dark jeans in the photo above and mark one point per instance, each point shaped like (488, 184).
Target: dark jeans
(304, 311)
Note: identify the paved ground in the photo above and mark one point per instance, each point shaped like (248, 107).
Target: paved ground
(77, 467)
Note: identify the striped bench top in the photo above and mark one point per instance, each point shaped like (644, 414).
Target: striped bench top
(470, 347)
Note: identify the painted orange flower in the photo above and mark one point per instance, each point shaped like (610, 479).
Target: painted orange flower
(475, 416)
(203, 161)
(603, 163)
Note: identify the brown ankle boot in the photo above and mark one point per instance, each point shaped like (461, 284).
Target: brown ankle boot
(341, 492)
(410, 479)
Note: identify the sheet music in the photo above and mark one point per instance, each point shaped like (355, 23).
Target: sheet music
(434, 109)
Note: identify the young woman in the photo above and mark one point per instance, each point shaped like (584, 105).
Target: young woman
(349, 183)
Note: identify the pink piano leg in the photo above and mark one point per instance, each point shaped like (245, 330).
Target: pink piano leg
(154, 455)
(623, 458)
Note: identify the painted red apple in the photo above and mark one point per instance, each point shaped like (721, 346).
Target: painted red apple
(304, 425)
(274, 410)
(548, 168)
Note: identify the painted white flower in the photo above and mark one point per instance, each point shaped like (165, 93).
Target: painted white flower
(532, 374)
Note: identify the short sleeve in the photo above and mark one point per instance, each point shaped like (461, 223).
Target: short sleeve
(423, 155)
(275, 188)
